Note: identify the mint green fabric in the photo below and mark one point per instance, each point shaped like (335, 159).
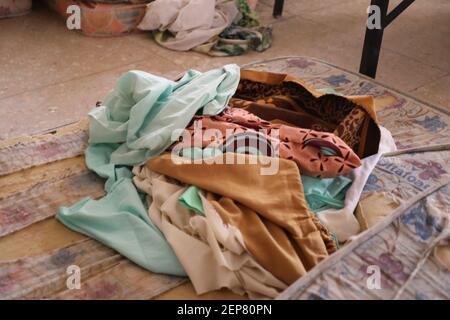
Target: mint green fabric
(145, 114)
(120, 221)
(139, 119)
(327, 151)
(325, 193)
(335, 239)
(196, 153)
(329, 91)
(191, 199)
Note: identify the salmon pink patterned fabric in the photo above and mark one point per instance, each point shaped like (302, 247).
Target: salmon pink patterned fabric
(304, 146)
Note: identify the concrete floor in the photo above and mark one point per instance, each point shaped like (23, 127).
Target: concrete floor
(50, 76)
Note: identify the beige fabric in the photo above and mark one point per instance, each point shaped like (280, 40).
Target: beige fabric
(182, 19)
(213, 254)
(373, 209)
(343, 221)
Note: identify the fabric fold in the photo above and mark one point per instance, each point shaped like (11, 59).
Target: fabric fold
(325, 193)
(278, 228)
(120, 221)
(178, 25)
(343, 221)
(213, 254)
(142, 116)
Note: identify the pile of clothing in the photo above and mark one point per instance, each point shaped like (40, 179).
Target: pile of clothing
(224, 27)
(189, 193)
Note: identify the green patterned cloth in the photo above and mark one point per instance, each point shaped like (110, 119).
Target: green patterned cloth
(243, 35)
(236, 40)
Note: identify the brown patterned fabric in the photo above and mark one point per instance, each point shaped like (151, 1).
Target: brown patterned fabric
(280, 96)
(303, 146)
(297, 118)
(349, 129)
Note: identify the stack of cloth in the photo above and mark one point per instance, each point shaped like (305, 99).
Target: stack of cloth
(224, 27)
(185, 198)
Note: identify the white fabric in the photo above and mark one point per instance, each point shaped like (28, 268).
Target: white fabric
(192, 22)
(213, 254)
(343, 221)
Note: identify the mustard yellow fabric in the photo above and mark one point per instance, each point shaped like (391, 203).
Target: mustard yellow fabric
(374, 209)
(212, 253)
(279, 229)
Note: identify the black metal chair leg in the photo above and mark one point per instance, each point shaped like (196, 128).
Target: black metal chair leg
(278, 8)
(372, 43)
